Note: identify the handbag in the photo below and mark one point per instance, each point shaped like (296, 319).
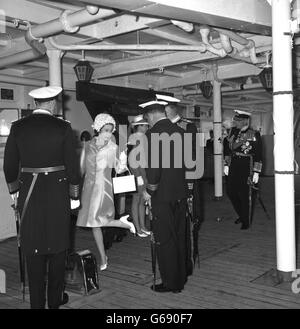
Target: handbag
(123, 184)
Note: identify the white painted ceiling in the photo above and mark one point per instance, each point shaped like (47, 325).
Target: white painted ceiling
(177, 72)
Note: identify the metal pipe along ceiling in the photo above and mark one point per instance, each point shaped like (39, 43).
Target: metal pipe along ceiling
(67, 22)
(201, 47)
(225, 37)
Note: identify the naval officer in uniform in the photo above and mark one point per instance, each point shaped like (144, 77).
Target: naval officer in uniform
(243, 165)
(40, 166)
(167, 191)
(188, 127)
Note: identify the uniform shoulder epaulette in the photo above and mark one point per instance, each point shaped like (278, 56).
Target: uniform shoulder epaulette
(63, 119)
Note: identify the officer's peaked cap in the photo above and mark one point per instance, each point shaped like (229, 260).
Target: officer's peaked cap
(160, 100)
(241, 114)
(45, 92)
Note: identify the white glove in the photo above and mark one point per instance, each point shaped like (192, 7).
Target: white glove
(140, 181)
(75, 204)
(226, 170)
(15, 196)
(255, 177)
(123, 158)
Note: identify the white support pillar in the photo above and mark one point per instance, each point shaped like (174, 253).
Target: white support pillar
(283, 140)
(218, 147)
(55, 74)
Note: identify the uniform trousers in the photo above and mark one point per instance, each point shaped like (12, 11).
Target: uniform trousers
(42, 268)
(169, 228)
(198, 210)
(238, 188)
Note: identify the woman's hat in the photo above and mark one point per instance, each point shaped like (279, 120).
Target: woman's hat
(103, 119)
(139, 120)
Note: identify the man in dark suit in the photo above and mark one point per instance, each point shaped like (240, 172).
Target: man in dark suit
(41, 170)
(167, 191)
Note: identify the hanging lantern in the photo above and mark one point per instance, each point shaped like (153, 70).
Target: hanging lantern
(206, 88)
(266, 75)
(83, 70)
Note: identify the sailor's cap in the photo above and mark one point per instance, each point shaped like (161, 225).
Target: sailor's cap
(161, 100)
(45, 92)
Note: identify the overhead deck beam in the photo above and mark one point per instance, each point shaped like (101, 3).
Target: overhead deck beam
(136, 65)
(248, 15)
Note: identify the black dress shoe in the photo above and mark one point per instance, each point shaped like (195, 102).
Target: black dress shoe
(178, 291)
(245, 227)
(161, 288)
(237, 221)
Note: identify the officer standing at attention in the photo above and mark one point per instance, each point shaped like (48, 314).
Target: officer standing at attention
(167, 191)
(188, 127)
(41, 170)
(243, 164)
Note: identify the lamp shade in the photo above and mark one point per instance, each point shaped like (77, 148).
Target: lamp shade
(206, 88)
(266, 78)
(83, 70)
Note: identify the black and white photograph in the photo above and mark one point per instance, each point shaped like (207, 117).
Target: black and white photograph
(149, 157)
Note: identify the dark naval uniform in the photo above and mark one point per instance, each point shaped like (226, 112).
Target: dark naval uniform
(41, 148)
(243, 155)
(168, 190)
(189, 127)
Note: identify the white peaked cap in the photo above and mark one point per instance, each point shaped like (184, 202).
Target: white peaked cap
(152, 103)
(242, 112)
(45, 92)
(166, 98)
(161, 100)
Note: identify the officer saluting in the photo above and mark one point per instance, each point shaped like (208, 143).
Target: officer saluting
(243, 164)
(167, 191)
(40, 167)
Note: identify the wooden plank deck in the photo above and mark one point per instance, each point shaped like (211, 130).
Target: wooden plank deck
(230, 262)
